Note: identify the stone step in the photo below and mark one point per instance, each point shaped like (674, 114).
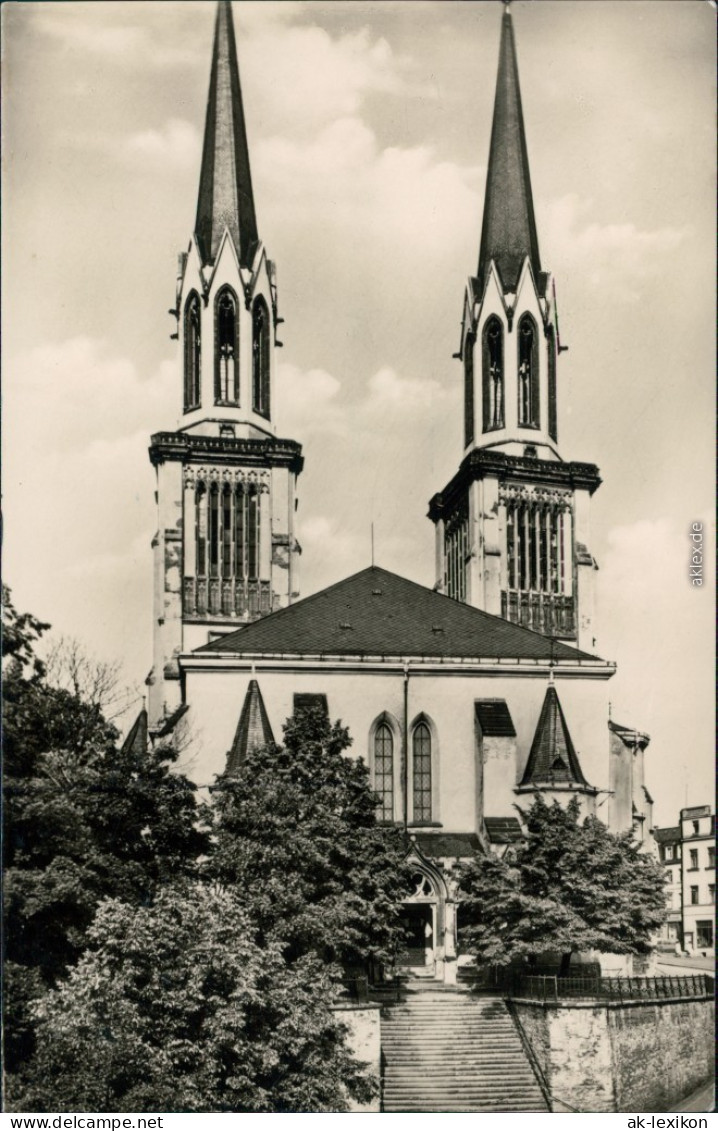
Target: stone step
(455, 1054)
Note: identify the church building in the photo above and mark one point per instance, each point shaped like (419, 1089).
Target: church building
(465, 699)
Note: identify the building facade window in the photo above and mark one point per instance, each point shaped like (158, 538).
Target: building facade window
(711, 893)
(421, 759)
(694, 859)
(192, 351)
(469, 390)
(694, 894)
(456, 552)
(260, 358)
(493, 375)
(384, 771)
(226, 339)
(528, 407)
(711, 857)
(704, 934)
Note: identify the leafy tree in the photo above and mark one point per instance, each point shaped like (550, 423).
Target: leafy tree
(571, 886)
(175, 1007)
(296, 834)
(82, 821)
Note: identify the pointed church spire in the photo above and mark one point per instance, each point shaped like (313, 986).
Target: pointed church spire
(253, 730)
(508, 234)
(225, 187)
(136, 741)
(553, 758)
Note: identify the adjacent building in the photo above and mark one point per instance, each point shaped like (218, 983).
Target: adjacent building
(687, 851)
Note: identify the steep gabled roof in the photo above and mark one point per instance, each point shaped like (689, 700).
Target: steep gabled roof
(378, 613)
(253, 730)
(552, 758)
(136, 741)
(508, 233)
(225, 196)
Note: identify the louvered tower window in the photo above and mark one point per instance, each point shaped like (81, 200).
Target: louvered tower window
(422, 772)
(192, 352)
(260, 358)
(384, 771)
(226, 330)
(228, 521)
(493, 375)
(456, 552)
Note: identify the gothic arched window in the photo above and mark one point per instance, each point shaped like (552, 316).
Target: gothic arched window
(226, 344)
(421, 749)
(469, 390)
(384, 771)
(528, 373)
(260, 358)
(493, 375)
(192, 351)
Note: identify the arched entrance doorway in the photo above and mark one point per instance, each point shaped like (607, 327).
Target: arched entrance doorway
(422, 921)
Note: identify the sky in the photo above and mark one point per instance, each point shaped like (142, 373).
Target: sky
(369, 128)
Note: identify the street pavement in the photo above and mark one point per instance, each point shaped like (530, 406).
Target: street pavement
(694, 964)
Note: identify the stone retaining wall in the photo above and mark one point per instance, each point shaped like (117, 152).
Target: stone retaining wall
(640, 1056)
(364, 1041)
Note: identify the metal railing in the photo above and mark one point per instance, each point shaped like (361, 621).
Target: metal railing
(548, 988)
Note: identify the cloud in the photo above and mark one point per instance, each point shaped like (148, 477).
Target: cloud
(176, 143)
(619, 255)
(307, 401)
(67, 394)
(315, 77)
(109, 32)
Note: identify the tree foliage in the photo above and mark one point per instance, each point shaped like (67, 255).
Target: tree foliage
(296, 833)
(175, 1007)
(571, 886)
(82, 821)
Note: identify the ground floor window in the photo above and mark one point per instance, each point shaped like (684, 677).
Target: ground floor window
(704, 934)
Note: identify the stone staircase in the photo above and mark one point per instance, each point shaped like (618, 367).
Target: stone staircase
(444, 1050)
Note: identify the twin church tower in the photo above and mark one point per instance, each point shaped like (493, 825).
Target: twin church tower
(512, 524)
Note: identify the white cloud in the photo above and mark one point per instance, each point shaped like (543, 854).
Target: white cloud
(177, 143)
(618, 255)
(315, 77)
(66, 395)
(307, 401)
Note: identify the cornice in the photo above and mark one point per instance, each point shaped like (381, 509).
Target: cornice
(480, 463)
(183, 446)
(395, 665)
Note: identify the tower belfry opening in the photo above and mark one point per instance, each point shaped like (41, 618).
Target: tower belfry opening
(512, 524)
(225, 552)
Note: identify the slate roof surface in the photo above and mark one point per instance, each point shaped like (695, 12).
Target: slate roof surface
(253, 730)
(443, 845)
(377, 613)
(136, 740)
(494, 718)
(552, 757)
(225, 188)
(668, 835)
(503, 830)
(509, 227)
